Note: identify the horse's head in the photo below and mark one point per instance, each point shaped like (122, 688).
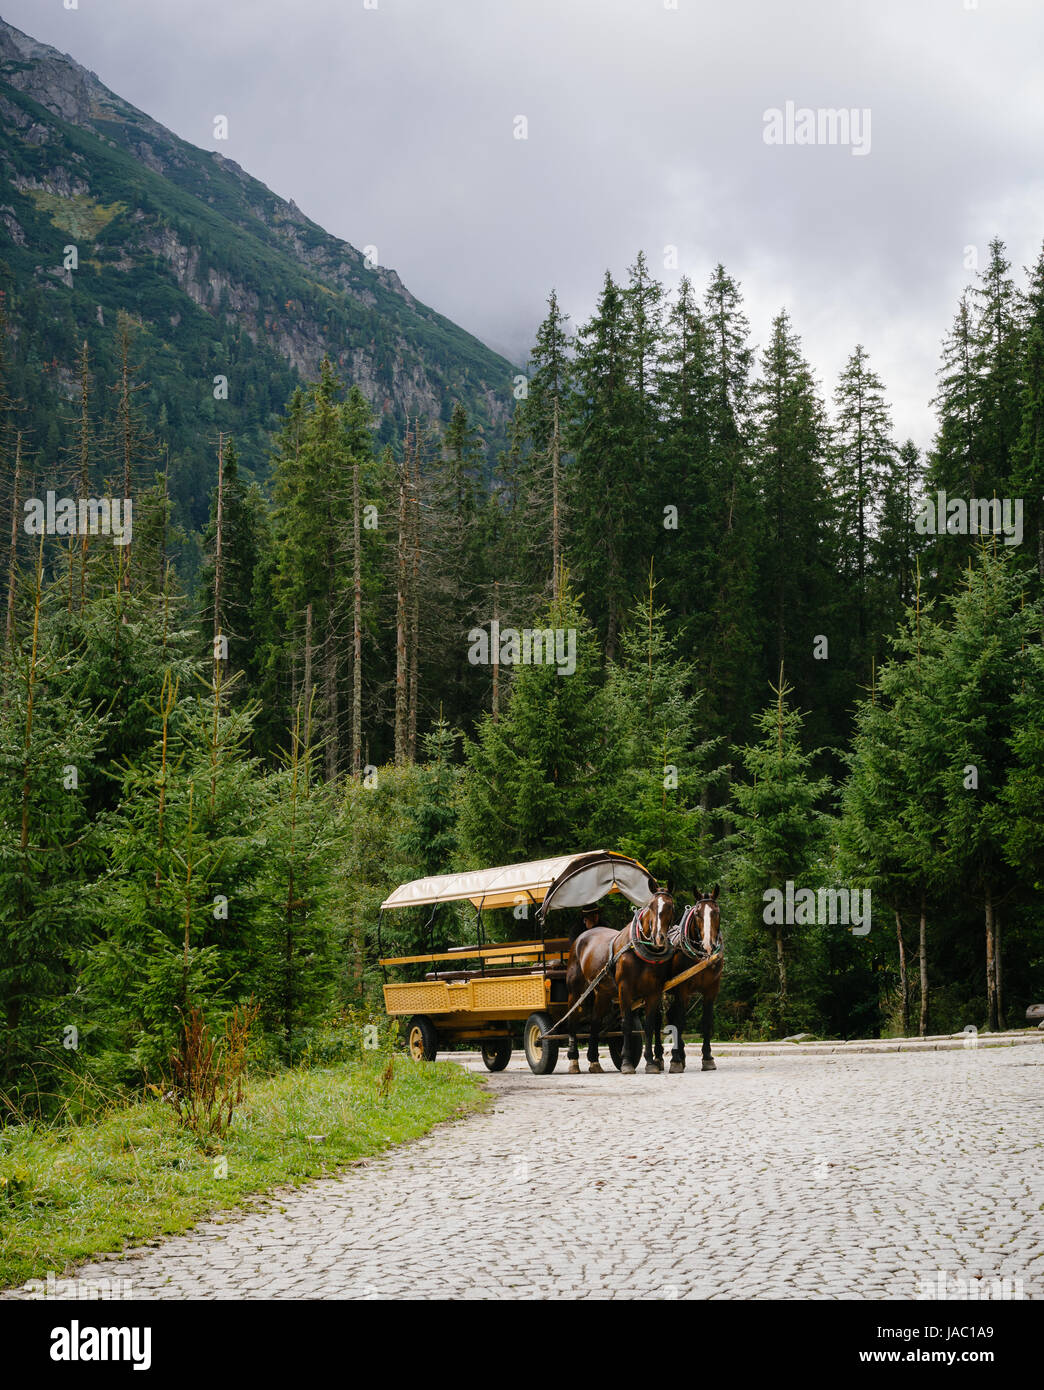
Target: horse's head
(655, 918)
(708, 916)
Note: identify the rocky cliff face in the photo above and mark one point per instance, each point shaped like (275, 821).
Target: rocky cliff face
(154, 218)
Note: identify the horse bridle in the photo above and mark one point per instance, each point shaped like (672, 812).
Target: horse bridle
(684, 937)
(642, 945)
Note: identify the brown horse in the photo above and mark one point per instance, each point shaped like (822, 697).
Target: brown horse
(696, 938)
(631, 979)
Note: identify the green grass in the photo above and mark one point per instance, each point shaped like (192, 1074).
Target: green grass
(74, 1191)
(78, 214)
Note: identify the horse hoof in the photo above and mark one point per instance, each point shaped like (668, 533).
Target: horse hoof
(709, 1064)
(653, 1069)
(627, 1069)
(595, 1068)
(676, 1066)
(573, 1066)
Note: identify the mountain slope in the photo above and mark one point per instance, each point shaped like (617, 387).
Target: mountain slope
(226, 278)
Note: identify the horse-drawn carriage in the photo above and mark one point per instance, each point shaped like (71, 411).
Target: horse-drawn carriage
(483, 992)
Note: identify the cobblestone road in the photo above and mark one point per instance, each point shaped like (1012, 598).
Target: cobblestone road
(826, 1177)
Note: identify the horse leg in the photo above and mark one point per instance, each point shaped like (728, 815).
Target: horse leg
(658, 1037)
(573, 1053)
(626, 1065)
(677, 1018)
(650, 1020)
(597, 1014)
(708, 1028)
(575, 985)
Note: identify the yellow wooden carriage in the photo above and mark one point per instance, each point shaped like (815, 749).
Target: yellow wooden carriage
(483, 992)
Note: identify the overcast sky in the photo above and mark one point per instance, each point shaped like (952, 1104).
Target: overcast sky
(395, 126)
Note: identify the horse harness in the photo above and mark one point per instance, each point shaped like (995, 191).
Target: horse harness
(686, 937)
(642, 945)
(680, 937)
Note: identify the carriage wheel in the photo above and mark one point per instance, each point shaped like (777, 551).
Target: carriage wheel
(496, 1054)
(422, 1041)
(541, 1056)
(615, 1046)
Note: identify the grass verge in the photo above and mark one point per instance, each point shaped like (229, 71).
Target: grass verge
(74, 1191)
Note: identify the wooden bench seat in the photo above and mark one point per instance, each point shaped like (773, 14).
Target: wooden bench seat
(553, 972)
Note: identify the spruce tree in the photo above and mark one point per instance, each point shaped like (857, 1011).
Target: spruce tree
(984, 663)
(130, 443)
(1028, 453)
(297, 936)
(538, 459)
(790, 447)
(956, 465)
(1023, 795)
(446, 534)
(176, 911)
(358, 426)
(429, 839)
(606, 485)
(896, 550)
(532, 778)
(998, 369)
(780, 830)
(891, 830)
(727, 637)
(246, 539)
(654, 802)
(49, 742)
(981, 405)
(683, 408)
(644, 300)
(312, 473)
(863, 459)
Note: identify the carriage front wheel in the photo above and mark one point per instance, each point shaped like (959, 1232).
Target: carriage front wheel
(422, 1041)
(496, 1054)
(541, 1056)
(615, 1046)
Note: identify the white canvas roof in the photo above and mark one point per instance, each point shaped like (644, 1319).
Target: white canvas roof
(576, 879)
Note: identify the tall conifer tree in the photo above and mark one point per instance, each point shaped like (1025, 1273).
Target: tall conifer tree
(863, 457)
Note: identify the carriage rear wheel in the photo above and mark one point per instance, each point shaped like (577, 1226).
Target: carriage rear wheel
(541, 1056)
(496, 1054)
(422, 1041)
(615, 1046)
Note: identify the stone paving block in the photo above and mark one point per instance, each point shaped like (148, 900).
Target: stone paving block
(858, 1174)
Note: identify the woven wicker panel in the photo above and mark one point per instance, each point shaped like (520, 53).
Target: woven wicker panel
(521, 992)
(423, 997)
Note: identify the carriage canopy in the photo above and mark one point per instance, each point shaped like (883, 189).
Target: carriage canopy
(569, 880)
